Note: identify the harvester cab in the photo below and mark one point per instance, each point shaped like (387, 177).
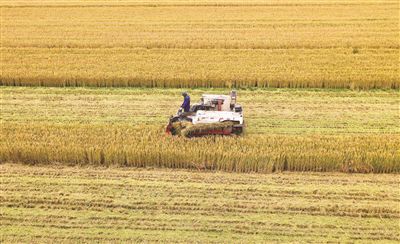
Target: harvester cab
(213, 115)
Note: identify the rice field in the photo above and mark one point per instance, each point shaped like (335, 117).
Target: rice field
(87, 88)
(70, 204)
(301, 44)
(287, 130)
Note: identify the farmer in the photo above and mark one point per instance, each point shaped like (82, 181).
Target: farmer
(186, 102)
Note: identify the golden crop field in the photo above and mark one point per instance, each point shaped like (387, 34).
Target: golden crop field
(214, 43)
(288, 130)
(87, 88)
(92, 205)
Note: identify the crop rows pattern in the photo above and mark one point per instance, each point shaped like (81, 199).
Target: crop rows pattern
(324, 44)
(42, 204)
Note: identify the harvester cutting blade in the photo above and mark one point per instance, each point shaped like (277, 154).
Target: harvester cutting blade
(222, 128)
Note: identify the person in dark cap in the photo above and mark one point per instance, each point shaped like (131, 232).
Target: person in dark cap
(186, 102)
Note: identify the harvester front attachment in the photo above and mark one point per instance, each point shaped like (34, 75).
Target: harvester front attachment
(188, 129)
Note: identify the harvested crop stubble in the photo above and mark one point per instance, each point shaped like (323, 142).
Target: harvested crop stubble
(276, 111)
(79, 204)
(146, 146)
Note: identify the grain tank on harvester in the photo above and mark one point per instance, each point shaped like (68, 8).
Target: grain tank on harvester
(213, 115)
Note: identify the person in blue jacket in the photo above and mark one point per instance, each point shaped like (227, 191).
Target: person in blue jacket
(186, 102)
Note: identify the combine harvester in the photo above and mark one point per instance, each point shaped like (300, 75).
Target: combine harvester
(213, 115)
